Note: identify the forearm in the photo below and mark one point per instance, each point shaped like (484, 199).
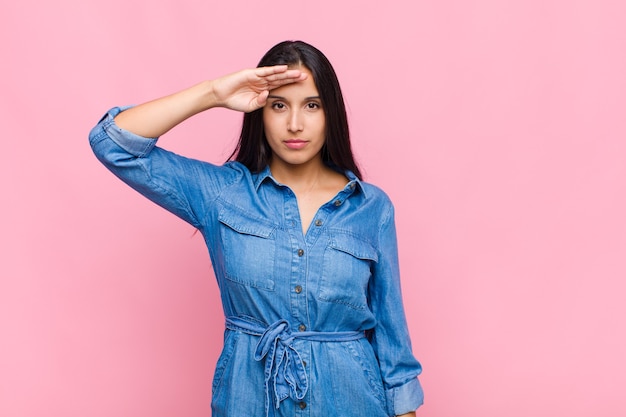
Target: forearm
(156, 117)
(407, 415)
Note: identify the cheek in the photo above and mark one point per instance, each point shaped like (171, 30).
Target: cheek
(321, 125)
(268, 126)
(273, 122)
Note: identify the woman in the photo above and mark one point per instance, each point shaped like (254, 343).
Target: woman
(304, 252)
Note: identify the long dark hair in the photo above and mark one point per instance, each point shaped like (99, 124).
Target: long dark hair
(253, 150)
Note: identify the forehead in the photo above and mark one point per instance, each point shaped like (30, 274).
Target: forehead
(301, 89)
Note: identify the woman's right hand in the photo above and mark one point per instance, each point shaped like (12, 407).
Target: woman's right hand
(247, 90)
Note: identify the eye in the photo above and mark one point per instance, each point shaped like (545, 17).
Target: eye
(277, 105)
(313, 105)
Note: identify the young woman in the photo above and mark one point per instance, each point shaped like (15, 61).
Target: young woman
(304, 251)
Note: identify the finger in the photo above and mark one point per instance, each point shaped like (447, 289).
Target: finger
(275, 69)
(262, 98)
(278, 80)
(294, 74)
(284, 81)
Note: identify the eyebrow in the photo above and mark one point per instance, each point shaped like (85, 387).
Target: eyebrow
(283, 98)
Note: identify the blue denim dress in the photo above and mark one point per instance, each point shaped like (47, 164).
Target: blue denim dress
(314, 322)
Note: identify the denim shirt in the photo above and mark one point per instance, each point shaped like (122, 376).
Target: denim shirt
(314, 322)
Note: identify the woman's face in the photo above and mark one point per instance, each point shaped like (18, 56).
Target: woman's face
(295, 124)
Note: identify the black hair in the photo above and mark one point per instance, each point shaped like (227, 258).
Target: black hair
(253, 150)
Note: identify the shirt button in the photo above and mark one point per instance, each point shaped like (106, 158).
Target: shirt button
(318, 222)
(352, 185)
(298, 289)
(302, 405)
(302, 327)
(303, 363)
(337, 203)
(300, 252)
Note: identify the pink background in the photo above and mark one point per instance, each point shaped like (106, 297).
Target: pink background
(497, 127)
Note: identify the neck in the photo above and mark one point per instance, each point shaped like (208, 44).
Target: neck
(299, 177)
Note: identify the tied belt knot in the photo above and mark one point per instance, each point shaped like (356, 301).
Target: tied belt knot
(285, 374)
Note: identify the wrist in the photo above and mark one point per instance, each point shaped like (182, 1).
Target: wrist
(208, 98)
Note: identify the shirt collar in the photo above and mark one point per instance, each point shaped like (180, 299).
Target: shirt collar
(262, 176)
(265, 174)
(354, 182)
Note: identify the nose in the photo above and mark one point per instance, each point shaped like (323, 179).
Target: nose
(294, 123)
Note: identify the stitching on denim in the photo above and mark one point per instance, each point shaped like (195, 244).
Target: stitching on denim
(358, 353)
(342, 301)
(223, 361)
(173, 196)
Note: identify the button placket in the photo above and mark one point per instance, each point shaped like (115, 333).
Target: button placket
(298, 289)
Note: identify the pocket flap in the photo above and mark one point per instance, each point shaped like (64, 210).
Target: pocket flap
(246, 224)
(354, 246)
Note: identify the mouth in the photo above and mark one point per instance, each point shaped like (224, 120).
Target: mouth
(295, 143)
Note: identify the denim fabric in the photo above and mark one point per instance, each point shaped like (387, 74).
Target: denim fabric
(297, 304)
(285, 373)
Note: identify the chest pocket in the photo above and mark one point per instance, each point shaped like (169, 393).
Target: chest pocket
(348, 261)
(249, 247)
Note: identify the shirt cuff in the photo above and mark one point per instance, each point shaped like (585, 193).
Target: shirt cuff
(136, 145)
(405, 398)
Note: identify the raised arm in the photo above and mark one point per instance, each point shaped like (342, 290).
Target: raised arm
(245, 91)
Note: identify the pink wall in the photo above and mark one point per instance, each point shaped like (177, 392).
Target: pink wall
(498, 128)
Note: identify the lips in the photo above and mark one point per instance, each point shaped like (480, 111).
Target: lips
(295, 143)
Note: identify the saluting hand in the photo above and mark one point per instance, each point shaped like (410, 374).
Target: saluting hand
(247, 90)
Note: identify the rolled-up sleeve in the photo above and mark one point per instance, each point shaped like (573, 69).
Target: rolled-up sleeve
(390, 339)
(136, 145)
(181, 185)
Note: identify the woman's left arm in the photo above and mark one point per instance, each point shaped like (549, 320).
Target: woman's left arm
(390, 339)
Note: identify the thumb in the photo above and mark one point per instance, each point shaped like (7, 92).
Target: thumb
(262, 98)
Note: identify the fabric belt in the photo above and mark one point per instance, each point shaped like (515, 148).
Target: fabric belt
(284, 368)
